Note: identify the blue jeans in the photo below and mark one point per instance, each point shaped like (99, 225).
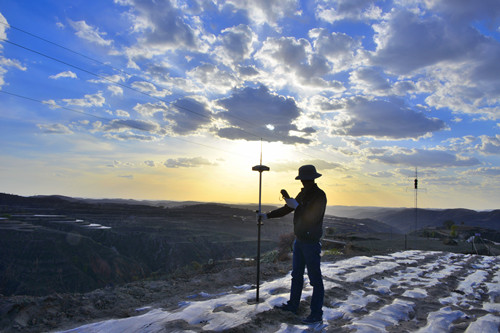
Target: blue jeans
(307, 255)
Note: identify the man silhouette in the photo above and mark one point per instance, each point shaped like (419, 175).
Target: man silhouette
(309, 206)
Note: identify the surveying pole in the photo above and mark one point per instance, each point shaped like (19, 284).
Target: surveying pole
(260, 168)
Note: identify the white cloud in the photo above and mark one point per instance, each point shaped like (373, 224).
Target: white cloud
(54, 129)
(89, 33)
(184, 162)
(66, 74)
(5, 64)
(266, 11)
(3, 27)
(336, 10)
(149, 109)
(383, 119)
(150, 89)
(115, 90)
(88, 100)
(213, 79)
(293, 62)
(339, 48)
(122, 113)
(492, 171)
(490, 145)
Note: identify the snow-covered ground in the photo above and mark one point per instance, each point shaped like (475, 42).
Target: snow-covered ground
(410, 291)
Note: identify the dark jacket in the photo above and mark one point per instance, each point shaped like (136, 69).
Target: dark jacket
(308, 216)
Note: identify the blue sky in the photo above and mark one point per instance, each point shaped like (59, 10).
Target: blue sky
(170, 100)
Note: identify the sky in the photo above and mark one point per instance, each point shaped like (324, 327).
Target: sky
(176, 100)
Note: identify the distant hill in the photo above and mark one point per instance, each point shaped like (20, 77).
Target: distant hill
(404, 218)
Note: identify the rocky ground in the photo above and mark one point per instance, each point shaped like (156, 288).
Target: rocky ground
(63, 311)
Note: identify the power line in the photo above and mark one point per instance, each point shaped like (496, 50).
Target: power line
(130, 125)
(64, 48)
(280, 138)
(267, 137)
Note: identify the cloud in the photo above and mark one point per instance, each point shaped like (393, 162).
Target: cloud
(252, 113)
(369, 79)
(161, 26)
(288, 56)
(187, 115)
(466, 10)
(236, 44)
(490, 145)
(68, 74)
(115, 90)
(150, 109)
(492, 171)
(182, 162)
(339, 48)
(407, 42)
(322, 166)
(425, 158)
(337, 10)
(3, 28)
(150, 89)
(213, 79)
(89, 33)
(382, 174)
(266, 11)
(383, 119)
(87, 101)
(150, 163)
(54, 129)
(117, 125)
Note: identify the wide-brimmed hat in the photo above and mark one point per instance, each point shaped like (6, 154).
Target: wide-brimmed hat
(307, 172)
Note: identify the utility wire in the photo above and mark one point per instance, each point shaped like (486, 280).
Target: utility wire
(277, 137)
(65, 48)
(130, 125)
(114, 68)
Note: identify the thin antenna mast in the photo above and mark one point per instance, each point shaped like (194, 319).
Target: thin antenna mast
(260, 168)
(416, 199)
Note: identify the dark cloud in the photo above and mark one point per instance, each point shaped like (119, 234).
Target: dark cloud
(236, 42)
(407, 42)
(257, 113)
(187, 115)
(426, 158)
(384, 119)
(121, 124)
(370, 78)
(465, 10)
